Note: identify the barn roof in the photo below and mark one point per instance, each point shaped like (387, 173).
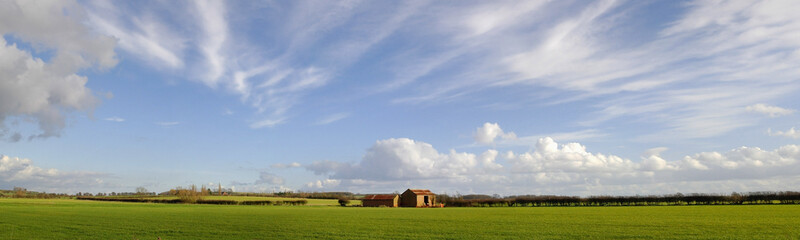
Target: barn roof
(421, 191)
(380, 197)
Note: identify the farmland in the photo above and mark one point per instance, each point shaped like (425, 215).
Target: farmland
(74, 219)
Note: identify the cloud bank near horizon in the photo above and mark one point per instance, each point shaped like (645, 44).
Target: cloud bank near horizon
(554, 168)
(21, 172)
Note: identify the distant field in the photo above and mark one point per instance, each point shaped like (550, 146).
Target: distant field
(74, 219)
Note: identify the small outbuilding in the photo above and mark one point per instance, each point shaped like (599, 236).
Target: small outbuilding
(417, 198)
(378, 200)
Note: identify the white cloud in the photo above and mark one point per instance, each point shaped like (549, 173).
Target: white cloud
(269, 178)
(485, 18)
(21, 172)
(405, 159)
(573, 53)
(267, 123)
(266, 182)
(652, 160)
(553, 168)
(75, 47)
(44, 90)
(262, 188)
(147, 38)
(578, 50)
(209, 51)
(791, 133)
(290, 165)
(570, 157)
(115, 119)
(487, 159)
(326, 183)
(332, 118)
(489, 132)
(215, 33)
(772, 111)
(166, 124)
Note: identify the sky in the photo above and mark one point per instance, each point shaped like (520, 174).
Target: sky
(493, 97)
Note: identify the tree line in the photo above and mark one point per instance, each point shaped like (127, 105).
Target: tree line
(198, 201)
(291, 194)
(20, 192)
(188, 194)
(785, 197)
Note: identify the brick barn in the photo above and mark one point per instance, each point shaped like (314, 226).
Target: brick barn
(417, 198)
(377, 200)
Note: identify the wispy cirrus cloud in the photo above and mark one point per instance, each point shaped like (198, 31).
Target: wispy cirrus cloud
(145, 37)
(690, 77)
(214, 33)
(332, 118)
(167, 124)
(271, 78)
(596, 53)
(772, 111)
(114, 119)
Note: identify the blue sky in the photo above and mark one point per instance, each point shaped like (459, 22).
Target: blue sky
(535, 97)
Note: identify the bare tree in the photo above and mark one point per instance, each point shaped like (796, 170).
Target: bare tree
(141, 191)
(20, 192)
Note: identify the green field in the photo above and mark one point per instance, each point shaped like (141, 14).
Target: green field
(74, 219)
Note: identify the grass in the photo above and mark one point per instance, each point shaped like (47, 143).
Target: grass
(73, 219)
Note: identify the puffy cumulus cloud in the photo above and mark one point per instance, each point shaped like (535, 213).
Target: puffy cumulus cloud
(554, 168)
(791, 133)
(285, 165)
(266, 182)
(15, 171)
(327, 183)
(746, 158)
(488, 159)
(269, 178)
(58, 26)
(742, 165)
(571, 163)
(43, 90)
(570, 157)
(487, 133)
(772, 111)
(652, 160)
(406, 159)
(250, 187)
